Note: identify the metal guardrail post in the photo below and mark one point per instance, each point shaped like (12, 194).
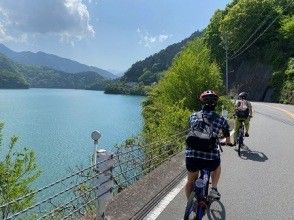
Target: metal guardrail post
(104, 182)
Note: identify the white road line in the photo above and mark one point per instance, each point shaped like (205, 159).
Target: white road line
(152, 215)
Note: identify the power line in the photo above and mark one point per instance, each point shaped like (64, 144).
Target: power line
(248, 39)
(263, 22)
(238, 54)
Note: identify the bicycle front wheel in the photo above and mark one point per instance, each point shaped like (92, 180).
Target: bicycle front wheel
(240, 144)
(190, 212)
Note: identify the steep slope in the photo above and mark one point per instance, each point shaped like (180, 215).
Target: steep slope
(10, 77)
(17, 76)
(44, 77)
(52, 61)
(150, 68)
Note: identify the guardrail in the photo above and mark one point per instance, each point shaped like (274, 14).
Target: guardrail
(86, 191)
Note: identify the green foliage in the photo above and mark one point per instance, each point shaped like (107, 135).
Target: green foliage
(244, 17)
(171, 101)
(287, 30)
(288, 27)
(44, 77)
(287, 93)
(191, 73)
(277, 83)
(13, 75)
(226, 103)
(212, 36)
(18, 170)
(126, 88)
(10, 77)
(149, 77)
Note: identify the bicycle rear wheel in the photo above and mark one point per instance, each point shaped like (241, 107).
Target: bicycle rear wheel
(191, 207)
(239, 149)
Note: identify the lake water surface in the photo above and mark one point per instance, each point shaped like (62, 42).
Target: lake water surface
(57, 124)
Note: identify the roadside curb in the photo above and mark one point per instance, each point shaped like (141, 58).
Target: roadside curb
(138, 199)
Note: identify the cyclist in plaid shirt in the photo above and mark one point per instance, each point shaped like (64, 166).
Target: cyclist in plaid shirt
(197, 159)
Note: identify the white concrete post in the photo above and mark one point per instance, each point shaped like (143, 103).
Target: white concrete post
(224, 112)
(103, 182)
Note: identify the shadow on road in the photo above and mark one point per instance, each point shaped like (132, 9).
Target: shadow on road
(247, 154)
(216, 211)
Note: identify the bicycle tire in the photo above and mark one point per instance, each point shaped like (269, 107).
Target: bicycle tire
(239, 149)
(189, 206)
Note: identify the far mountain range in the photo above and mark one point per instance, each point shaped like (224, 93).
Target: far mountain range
(52, 61)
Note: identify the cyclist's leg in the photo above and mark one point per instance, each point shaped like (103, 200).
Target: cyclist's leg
(215, 175)
(192, 176)
(237, 126)
(246, 123)
(192, 166)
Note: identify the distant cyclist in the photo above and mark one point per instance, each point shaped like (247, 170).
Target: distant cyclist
(243, 112)
(202, 151)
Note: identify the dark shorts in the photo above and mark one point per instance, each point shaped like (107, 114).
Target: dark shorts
(195, 164)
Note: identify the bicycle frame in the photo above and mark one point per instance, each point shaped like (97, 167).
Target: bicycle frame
(240, 139)
(199, 202)
(196, 203)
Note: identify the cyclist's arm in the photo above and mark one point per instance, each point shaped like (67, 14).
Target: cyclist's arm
(250, 109)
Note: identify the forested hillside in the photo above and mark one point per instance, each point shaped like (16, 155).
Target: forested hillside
(259, 38)
(14, 75)
(10, 77)
(52, 61)
(149, 69)
(142, 74)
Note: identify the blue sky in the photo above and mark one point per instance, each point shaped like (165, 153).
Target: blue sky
(110, 34)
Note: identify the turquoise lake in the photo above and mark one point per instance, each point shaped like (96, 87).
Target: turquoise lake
(57, 124)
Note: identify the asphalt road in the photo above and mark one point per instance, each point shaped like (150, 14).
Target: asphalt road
(260, 184)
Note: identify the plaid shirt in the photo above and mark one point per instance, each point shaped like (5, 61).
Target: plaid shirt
(218, 123)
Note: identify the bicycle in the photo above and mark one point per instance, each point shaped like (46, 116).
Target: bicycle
(199, 201)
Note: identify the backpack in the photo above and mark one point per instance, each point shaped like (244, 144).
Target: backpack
(201, 136)
(242, 109)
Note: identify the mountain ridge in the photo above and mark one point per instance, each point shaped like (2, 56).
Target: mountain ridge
(18, 76)
(41, 58)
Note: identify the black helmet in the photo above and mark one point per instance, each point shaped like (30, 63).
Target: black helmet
(243, 95)
(209, 98)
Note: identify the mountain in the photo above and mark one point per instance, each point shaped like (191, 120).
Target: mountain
(15, 76)
(52, 61)
(137, 79)
(150, 69)
(116, 72)
(10, 76)
(45, 77)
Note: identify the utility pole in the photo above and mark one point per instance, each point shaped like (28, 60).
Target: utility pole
(227, 64)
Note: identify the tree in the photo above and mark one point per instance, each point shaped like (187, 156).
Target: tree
(170, 102)
(244, 18)
(287, 30)
(287, 94)
(18, 170)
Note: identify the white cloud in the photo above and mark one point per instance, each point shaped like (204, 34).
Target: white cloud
(66, 18)
(147, 39)
(162, 37)
(4, 37)
(93, 1)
